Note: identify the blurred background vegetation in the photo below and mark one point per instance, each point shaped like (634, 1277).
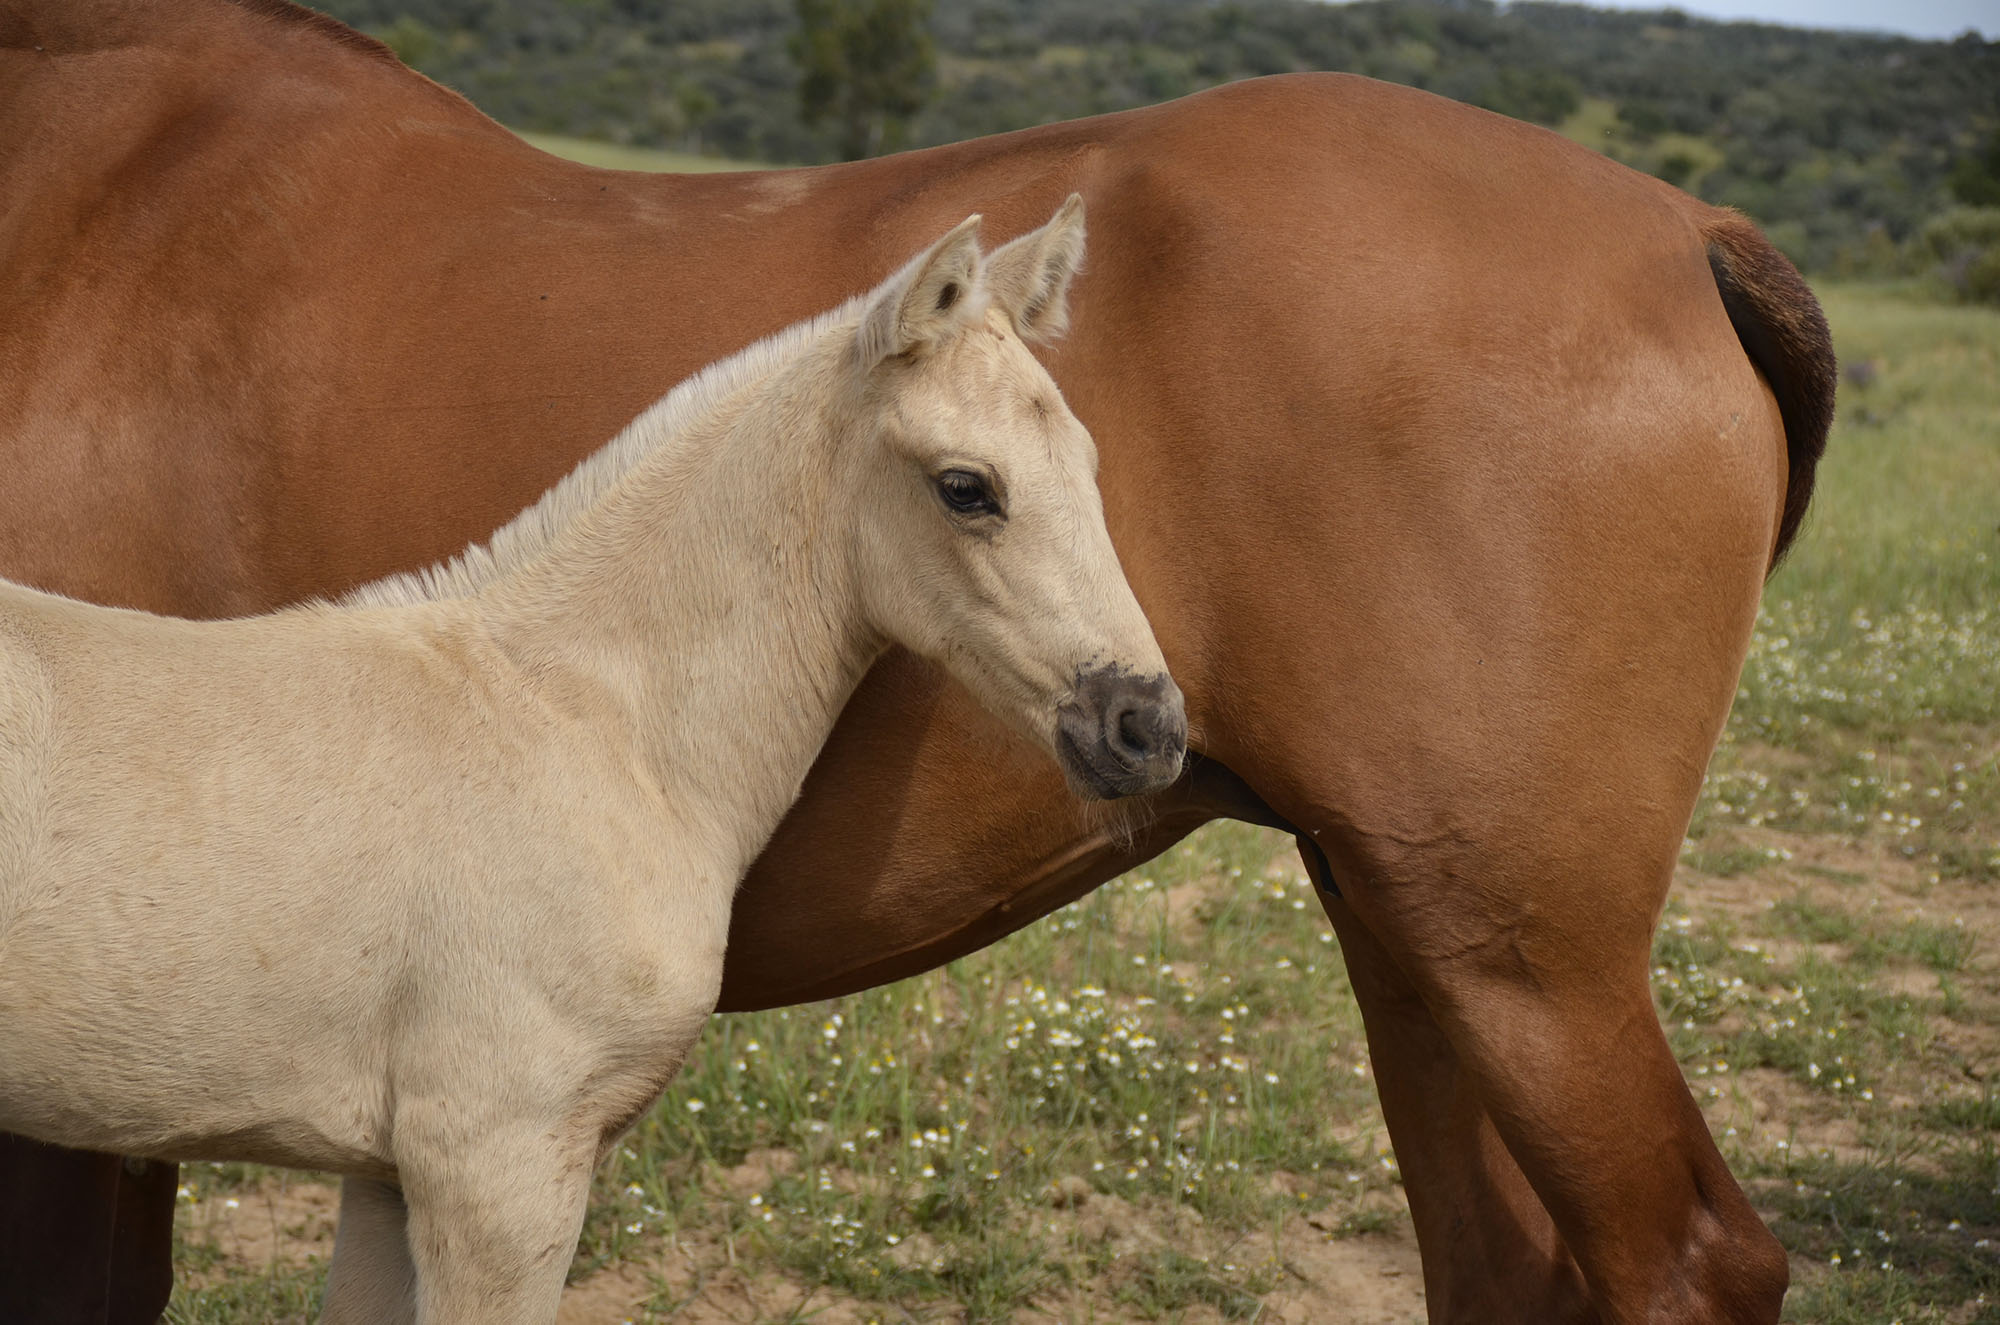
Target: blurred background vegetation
(1861, 154)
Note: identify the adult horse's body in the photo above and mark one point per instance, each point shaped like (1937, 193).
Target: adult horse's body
(1436, 448)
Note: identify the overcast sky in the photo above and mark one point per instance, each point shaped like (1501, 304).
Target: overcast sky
(1915, 18)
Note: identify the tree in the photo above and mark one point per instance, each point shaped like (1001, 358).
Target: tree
(868, 65)
(413, 41)
(695, 104)
(1542, 96)
(1975, 178)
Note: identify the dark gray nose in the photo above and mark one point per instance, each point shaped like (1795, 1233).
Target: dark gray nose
(1122, 734)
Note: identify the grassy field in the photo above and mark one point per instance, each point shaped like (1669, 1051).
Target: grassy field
(1156, 1104)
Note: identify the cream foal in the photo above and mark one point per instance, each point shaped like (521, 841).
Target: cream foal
(434, 883)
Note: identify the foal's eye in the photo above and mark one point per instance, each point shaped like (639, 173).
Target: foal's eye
(966, 493)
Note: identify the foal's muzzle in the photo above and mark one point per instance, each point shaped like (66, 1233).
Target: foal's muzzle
(1120, 734)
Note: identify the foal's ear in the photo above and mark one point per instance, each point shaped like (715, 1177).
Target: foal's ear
(1029, 277)
(927, 302)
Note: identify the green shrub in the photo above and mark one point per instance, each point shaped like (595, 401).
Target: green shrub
(1962, 246)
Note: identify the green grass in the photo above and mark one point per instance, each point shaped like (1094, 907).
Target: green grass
(1894, 1233)
(1123, 1112)
(1730, 861)
(1167, 1282)
(272, 1296)
(1906, 512)
(1126, 1048)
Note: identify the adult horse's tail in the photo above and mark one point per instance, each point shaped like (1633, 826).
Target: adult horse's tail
(1785, 334)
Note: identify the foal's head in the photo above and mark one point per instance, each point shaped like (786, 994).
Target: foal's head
(985, 548)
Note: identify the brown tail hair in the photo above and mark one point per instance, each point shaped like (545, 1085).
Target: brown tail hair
(1783, 331)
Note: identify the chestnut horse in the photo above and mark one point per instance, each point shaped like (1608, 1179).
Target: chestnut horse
(1447, 458)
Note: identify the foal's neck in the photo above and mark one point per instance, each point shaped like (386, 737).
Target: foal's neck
(707, 602)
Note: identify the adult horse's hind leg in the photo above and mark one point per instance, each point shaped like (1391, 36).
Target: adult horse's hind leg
(372, 1280)
(1492, 1253)
(1555, 1067)
(1547, 1009)
(1492, 713)
(1500, 783)
(1501, 802)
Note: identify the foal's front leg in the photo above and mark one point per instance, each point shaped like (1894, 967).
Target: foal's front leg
(493, 1225)
(372, 1280)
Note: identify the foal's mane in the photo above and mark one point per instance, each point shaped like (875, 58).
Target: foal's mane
(523, 538)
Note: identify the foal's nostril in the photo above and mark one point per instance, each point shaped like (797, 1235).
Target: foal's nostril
(1124, 734)
(1130, 734)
